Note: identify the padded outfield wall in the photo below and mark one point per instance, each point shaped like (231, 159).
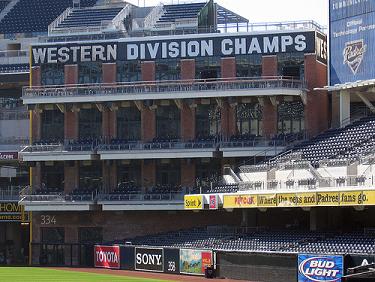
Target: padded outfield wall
(352, 40)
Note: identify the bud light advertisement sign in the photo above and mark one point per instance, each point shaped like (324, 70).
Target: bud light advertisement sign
(313, 268)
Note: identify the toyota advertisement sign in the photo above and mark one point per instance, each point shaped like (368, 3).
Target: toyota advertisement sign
(107, 257)
(352, 40)
(315, 268)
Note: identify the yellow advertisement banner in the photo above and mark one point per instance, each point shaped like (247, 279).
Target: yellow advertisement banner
(267, 201)
(193, 202)
(309, 199)
(328, 198)
(240, 201)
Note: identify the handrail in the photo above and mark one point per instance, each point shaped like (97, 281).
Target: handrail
(153, 16)
(117, 21)
(59, 19)
(162, 87)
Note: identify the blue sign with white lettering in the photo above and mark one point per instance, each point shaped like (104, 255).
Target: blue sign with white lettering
(317, 268)
(352, 40)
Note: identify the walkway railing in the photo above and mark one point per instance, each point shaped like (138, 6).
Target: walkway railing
(162, 87)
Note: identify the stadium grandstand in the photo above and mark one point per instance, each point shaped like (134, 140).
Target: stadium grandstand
(187, 129)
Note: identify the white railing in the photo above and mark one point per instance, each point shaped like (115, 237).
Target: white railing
(154, 16)
(10, 193)
(59, 20)
(118, 21)
(9, 57)
(162, 87)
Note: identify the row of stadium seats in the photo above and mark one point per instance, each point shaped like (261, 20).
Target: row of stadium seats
(286, 241)
(89, 17)
(14, 68)
(174, 12)
(35, 15)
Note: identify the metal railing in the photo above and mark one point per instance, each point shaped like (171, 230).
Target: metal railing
(352, 182)
(142, 197)
(11, 193)
(58, 197)
(59, 20)
(158, 87)
(153, 16)
(10, 57)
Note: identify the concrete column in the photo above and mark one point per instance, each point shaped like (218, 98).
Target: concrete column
(228, 120)
(344, 108)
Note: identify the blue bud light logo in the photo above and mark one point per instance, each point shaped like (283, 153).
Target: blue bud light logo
(320, 268)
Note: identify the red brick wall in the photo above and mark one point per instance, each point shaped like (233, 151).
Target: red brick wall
(228, 67)
(71, 176)
(187, 123)
(148, 71)
(188, 69)
(269, 66)
(187, 172)
(71, 74)
(317, 107)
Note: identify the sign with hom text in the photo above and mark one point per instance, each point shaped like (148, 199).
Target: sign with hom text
(107, 257)
(180, 47)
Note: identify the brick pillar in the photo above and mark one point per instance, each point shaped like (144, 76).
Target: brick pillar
(228, 67)
(188, 69)
(109, 73)
(37, 176)
(148, 173)
(187, 123)
(36, 129)
(269, 118)
(71, 118)
(148, 118)
(109, 124)
(317, 104)
(269, 68)
(187, 172)
(71, 125)
(36, 76)
(228, 120)
(113, 176)
(71, 74)
(71, 176)
(148, 71)
(36, 119)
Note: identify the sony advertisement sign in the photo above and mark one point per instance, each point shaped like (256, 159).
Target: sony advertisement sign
(352, 40)
(181, 47)
(149, 259)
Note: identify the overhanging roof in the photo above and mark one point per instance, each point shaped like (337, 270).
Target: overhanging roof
(349, 85)
(225, 16)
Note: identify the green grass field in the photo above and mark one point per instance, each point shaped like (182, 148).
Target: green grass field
(32, 274)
